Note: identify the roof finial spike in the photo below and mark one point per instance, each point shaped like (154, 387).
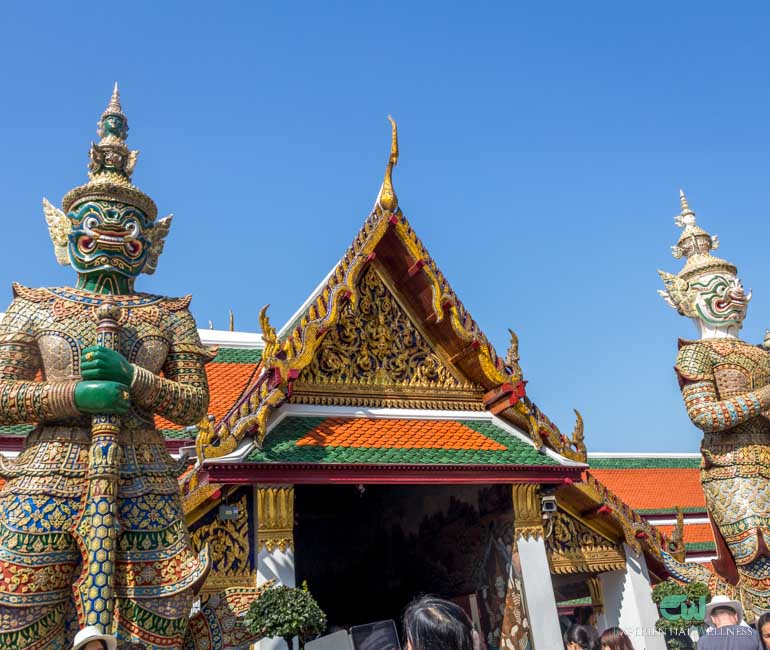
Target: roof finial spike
(388, 199)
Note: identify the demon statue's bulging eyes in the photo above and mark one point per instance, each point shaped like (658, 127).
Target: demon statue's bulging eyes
(109, 236)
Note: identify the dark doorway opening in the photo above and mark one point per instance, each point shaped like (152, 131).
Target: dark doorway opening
(367, 551)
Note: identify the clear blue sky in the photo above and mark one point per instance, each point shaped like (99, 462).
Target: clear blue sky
(542, 149)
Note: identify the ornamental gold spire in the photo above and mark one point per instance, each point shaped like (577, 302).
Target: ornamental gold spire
(111, 164)
(388, 199)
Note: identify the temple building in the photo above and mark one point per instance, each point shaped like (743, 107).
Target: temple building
(377, 447)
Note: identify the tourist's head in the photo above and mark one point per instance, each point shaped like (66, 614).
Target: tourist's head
(92, 638)
(722, 611)
(95, 645)
(763, 627)
(581, 637)
(435, 624)
(722, 616)
(615, 639)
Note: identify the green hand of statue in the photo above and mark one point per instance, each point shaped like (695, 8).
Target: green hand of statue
(102, 364)
(102, 397)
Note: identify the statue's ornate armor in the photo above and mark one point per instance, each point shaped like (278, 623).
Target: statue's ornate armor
(42, 502)
(725, 385)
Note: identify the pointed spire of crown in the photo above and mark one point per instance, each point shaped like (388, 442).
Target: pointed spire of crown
(685, 206)
(112, 164)
(114, 107)
(696, 244)
(388, 199)
(113, 124)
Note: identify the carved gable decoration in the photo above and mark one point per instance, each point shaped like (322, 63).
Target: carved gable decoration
(230, 548)
(573, 547)
(376, 356)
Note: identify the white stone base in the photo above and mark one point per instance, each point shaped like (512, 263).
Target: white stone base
(538, 594)
(628, 603)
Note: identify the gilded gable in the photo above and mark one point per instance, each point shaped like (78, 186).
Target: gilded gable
(376, 356)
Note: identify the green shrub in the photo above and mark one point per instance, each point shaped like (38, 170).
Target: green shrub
(286, 612)
(676, 631)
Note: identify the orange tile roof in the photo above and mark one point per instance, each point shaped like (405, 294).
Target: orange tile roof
(655, 488)
(397, 433)
(693, 533)
(226, 383)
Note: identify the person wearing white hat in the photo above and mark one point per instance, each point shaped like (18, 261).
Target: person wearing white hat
(91, 638)
(725, 632)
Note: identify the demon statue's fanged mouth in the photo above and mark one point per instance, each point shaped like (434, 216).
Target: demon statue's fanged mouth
(108, 235)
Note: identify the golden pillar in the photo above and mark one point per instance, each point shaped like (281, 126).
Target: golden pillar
(275, 518)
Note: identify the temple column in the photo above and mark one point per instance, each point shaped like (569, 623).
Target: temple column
(628, 604)
(537, 588)
(275, 542)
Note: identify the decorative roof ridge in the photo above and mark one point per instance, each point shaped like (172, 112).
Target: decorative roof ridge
(288, 352)
(639, 533)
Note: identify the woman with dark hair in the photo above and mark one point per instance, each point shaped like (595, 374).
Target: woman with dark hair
(763, 627)
(434, 624)
(581, 637)
(615, 639)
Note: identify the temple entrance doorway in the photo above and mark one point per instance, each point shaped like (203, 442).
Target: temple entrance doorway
(367, 551)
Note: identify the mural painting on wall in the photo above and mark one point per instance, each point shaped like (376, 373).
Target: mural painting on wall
(503, 615)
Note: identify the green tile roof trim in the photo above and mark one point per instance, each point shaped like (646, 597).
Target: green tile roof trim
(700, 546)
(586, 600)
(692, 510)
(176, 434)
(21, 430)
(16, 429)
(237, 355)
(279, 447)
(643, 463)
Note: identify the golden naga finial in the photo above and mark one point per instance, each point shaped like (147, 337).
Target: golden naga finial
(269, 336)
(677, 545)
(388, 199)
(512, 356)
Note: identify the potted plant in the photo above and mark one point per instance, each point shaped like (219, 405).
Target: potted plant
(682, 607)
(286, 612)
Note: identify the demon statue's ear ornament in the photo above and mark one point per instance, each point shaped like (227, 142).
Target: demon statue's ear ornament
(157, 236)
(58, 228)
(676, 293)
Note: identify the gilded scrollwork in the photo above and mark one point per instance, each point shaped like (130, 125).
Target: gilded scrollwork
(375, 342)
(230, 548)
(575, 548)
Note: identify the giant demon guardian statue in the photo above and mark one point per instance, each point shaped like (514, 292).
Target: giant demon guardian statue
(725, 384)
(92, 532)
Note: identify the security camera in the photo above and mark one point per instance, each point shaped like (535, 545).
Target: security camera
(548, 504)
